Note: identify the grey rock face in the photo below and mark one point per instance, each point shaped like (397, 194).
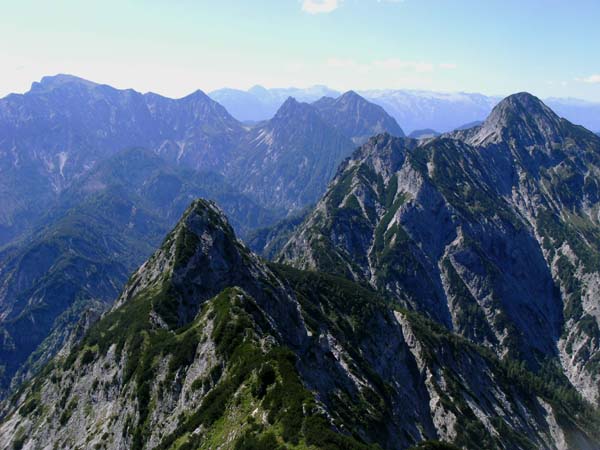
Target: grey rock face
(165, 365)
(287, 161)
(105, 224)
(476, 229)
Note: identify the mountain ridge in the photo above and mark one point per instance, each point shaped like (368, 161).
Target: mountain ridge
(491, 232)
(66, 145)
(446, 225)
(52, 136)
(81, 253)
(290, 354)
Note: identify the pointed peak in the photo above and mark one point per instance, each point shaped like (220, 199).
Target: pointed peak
(352, 98)
(199, 258)
(521, 118)
(523, 102)
(351, 95)
(203, 220)
(290, 101)
(356, 117)
(522, 107)
(206, 214)
(290, 104)
(207, 108)
(198, 94)
(293, 108)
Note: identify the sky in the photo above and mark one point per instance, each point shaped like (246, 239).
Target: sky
(173, 47)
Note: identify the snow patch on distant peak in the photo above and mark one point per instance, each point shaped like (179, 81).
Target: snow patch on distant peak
(62, 160)
(265, 137)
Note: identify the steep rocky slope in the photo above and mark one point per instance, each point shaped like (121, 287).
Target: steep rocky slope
(288, 161)
(208, 346)
(491, 231)
(104, 226)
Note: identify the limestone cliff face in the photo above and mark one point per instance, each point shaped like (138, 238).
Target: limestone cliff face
(492, 231)
(208, 346)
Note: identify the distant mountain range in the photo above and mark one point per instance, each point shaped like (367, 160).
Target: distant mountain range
(440, 286)
(91, 177)
(424, 134)
(413, 110)
(64, 125)
(258, 103)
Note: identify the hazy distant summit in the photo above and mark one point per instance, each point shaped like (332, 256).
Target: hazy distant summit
(259, 103)
(355, 116)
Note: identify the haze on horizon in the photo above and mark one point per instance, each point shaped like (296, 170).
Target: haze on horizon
(173, 48)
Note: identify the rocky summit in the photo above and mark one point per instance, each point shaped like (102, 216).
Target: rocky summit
(492, 232)
(210, 347)
(356, 117)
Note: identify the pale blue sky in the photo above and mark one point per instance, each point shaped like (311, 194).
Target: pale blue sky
(547, 47)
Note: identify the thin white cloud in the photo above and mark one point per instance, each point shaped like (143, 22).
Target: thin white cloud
(389, 64)
(350, 73)
(592, 79)
(400, 64)
(327, 6)
(341, 63)
(320, 6)
(448, 66)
